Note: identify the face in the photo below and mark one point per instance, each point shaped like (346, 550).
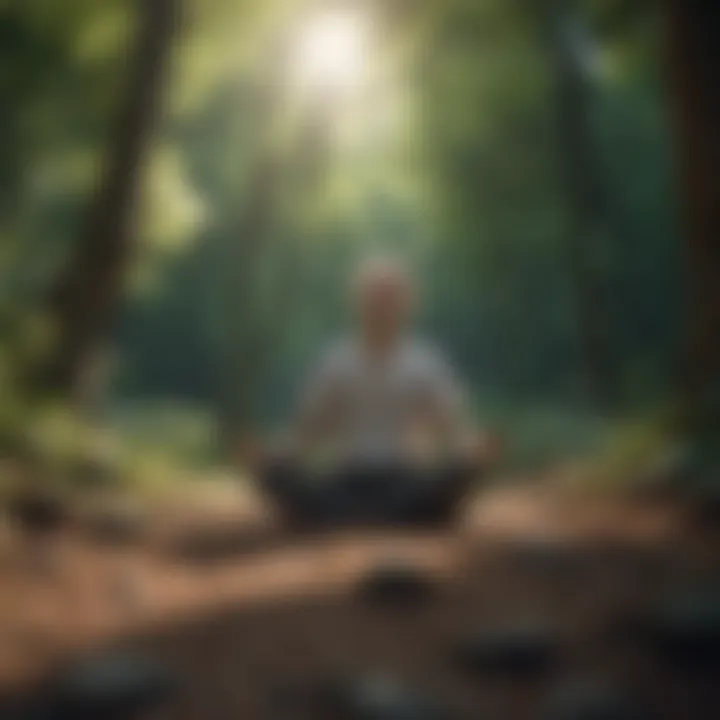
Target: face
(384, 298)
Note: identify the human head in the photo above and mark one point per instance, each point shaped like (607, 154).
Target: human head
(383, 293)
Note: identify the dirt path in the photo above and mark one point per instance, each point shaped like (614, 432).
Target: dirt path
(271, 613)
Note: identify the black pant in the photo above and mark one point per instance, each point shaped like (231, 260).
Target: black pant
(392, 492)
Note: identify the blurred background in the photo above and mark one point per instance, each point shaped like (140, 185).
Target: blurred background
(186, 185)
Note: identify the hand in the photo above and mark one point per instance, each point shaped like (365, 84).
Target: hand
(484, 448)
(249, 451)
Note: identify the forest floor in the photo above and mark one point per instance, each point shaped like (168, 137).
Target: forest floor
(244, 614)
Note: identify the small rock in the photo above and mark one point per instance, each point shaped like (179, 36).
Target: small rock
(381, 697)
(684, 630)
(589, 701)
(397, 583)
(108, 686)
(519, 649)
(37, 513)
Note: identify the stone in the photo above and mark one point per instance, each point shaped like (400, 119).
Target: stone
(587, 700)
(684, 630)
(37, 513)
(518, 649)
(377, 696)
(108, 686)
(397, 583)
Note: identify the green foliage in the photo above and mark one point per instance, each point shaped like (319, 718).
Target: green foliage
(452, 161)
(633, 449)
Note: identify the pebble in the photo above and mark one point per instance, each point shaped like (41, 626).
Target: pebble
(377, 696)
(587, 700)
(108, 686)
(684, 630)
(517, 649)
(397, 583)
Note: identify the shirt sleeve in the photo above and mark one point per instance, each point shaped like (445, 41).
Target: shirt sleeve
(321, 397)
(445, 393)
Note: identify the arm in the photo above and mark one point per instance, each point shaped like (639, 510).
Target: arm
(452, 420)
(319, 408)
(312, 425)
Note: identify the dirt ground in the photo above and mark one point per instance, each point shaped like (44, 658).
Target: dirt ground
(246, 615)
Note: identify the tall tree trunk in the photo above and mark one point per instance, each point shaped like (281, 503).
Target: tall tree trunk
(589, 225)
(84, 300)
(693, 29)
(241, 257)
(253, 327)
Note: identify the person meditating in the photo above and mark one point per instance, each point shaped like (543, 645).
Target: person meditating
(381, 431)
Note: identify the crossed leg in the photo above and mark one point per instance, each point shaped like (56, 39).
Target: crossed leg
(390, 493)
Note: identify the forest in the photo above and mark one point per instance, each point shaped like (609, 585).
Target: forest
(187, 188)
(187, 185)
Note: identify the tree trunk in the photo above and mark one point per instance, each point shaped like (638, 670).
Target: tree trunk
(86, 296)
(240, 258)
(589, 224)
(253, 328)
(693, 29)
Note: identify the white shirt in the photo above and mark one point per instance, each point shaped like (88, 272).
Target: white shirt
(369, 406)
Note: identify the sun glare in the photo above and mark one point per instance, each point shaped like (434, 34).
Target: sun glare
(332, 52)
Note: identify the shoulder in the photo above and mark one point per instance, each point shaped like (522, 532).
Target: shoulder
(426, 356)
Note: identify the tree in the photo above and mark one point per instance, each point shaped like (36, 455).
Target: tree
(693, 27)
(588, 216)
(84, 299)
(253, 319)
